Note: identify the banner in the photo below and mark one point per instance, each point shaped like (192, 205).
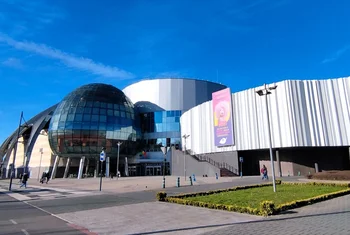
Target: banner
(223, 125)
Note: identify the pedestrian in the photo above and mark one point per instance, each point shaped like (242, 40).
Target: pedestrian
(43, 176)
(48, 175)
(264, 173)
(24, 180)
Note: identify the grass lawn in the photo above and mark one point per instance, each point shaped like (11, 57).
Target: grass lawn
(252, 197)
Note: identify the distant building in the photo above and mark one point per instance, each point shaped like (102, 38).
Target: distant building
(310, 127)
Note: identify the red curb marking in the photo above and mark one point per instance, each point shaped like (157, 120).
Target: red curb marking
(82, 229)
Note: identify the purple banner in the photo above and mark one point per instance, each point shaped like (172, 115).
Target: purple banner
(223, 125)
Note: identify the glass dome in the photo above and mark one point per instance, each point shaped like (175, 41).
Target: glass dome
(91, 117)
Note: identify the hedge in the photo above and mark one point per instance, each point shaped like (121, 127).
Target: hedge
(266, 208)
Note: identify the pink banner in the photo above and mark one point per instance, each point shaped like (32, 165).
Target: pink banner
(222, 110)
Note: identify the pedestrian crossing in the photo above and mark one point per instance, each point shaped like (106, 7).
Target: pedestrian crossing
(41, 193)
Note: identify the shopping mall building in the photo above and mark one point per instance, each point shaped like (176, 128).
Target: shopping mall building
(207, 129)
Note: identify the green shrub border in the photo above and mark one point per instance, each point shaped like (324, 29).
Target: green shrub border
(266, 208)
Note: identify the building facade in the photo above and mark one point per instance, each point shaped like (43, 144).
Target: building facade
(310, 130)
(310, 127)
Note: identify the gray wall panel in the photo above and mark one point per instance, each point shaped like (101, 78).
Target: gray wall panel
(172, 94)
(307, 113)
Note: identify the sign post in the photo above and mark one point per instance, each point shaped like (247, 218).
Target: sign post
(102, 159)
(241, 161)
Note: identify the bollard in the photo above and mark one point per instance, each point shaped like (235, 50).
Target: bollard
(216, 176)
(191, 180)
(178, 182)
(163, 185)
(194, 177)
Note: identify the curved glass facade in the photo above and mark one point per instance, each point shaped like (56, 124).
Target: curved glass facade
(91, 117)
(161, 128)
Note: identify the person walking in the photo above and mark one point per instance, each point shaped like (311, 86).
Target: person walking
(24, 180)
(264, 173)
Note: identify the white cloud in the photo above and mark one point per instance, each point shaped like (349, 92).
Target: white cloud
(13, 63)
(70, 60)
(336, 55)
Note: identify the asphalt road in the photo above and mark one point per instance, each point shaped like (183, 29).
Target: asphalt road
(73, 204)
(19, 218)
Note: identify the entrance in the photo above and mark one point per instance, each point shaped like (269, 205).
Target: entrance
(153, 170)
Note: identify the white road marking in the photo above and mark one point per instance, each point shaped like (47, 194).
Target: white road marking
(12, 221)
(25, 232)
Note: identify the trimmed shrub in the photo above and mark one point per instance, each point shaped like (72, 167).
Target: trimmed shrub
(267, 208)
(161, 196)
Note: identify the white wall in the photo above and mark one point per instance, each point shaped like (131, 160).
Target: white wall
(302, 113)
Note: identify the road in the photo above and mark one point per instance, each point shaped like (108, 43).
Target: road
(19, 218)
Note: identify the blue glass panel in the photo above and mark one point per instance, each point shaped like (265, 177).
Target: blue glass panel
(78, 117)
(177, 119)
(158, 117)
(76, 125)
(69, 125)
(85, 126)
(103, 105)
(86, 118)
(103, 118)
(96, 111)
(94, 118)
(110, 112)
(87, 110)
(103, 111)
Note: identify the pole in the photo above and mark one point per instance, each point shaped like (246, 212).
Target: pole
(119, 143)
(241, 170)
(15, 151)
(101, 175)
(41, 156)
(164, 171)
(185, 160)
(270, 140)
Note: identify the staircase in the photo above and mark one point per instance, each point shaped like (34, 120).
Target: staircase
(226, 170)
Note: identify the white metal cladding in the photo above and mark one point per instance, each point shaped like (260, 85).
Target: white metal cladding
(302, 113)
(172, 94)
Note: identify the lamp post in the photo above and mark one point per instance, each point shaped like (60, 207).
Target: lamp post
(265, 92)
(119, 143)
(15, 151)
(165, 150)
(41, 156)
(185, 137)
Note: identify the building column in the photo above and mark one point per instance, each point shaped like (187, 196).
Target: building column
(279, 170)
(55, 165)
(97, 168)
(107, 166)
(87, 166)
(81, 167)
(66, 170)
(126, 168)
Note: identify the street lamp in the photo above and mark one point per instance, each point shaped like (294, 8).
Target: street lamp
(119, 143)
(185, 137)
(165, 150)
(265, 92)
(41, 156)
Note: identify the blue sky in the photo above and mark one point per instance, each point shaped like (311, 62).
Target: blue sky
(48, 48)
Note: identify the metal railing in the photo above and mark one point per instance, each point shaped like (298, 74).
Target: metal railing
(205, 158)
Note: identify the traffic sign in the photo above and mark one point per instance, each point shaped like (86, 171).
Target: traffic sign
(241, 159)
(102, 156)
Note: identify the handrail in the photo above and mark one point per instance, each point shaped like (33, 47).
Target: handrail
(213, 162)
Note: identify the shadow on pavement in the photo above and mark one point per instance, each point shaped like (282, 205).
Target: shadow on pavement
(263, 220)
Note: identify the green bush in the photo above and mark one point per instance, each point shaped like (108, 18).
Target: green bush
(161, 196)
